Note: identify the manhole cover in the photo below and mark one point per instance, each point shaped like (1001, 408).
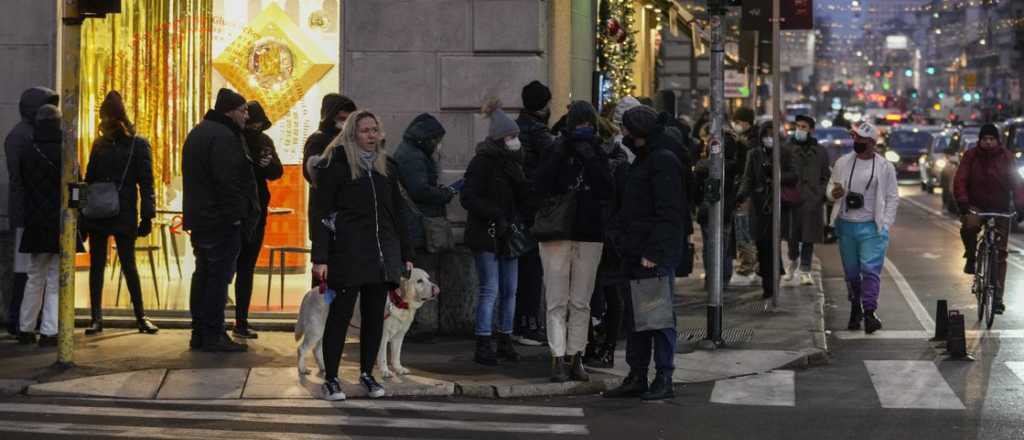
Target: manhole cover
(732, 336)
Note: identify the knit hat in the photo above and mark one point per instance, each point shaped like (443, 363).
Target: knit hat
(579, 113)
(228, 100)
(744, 114)
(257, 115)
(623, 106)
(502, 126)
(809, 120)
(988, 130)
(640, 121)
(535, 96)
(113, 107)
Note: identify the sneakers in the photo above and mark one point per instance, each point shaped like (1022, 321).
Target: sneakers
(223, 344)
(806, 279)
(243, 331)
(145, 326)
(47, 341)
(856, 316)
(527, 339)
(373, 389)
(332, 390)
(998, 307)
(793, 268)
(871, 322)
(741, 280)
(95, 328)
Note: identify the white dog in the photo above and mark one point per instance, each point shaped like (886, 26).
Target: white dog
(400, 312)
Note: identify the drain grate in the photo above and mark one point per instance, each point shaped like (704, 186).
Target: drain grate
(732, 336)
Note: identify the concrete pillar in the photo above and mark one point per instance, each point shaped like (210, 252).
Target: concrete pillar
(560, 56)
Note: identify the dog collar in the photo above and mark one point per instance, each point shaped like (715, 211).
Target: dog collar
(397, 300)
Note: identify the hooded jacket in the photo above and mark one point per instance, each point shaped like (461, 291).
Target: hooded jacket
(108, 162)
(418, 173)
(318, 141)
(494, 194)
(988, 181)
(17, 142)
(41, 170)
(260, 145)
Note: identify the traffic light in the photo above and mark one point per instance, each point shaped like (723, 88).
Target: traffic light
(878, 74)
(930, 70)
(908, 73)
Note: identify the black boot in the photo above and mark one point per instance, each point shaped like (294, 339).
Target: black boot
(578, 373)
(559, 369)
(485, 351)
(605, 357)
(506, 350)
(856, 315)
(25, 338)
(95, 328)
(661, 388)
(634, 385)
(221, 344)
(243, 331)
(871, 322)
(146, 326)
(196, 340)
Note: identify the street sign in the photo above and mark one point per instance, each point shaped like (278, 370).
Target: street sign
(971, 80)
(796, 15)
(736, 85)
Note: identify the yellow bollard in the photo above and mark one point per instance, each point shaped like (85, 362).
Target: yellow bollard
(70, 47)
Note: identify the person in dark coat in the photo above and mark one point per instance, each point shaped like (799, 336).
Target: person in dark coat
(702, 172)
(577, 163)
(756, 187)
(361, 244)
(805, 224)
(18, 141)
(221, 206)
(334, 111)
(648, 233)
(266, 167)
(746, 249)
(125, 159)
(494, 196)
(40, 171)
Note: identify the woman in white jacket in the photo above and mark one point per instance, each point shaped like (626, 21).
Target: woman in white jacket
(866, 195)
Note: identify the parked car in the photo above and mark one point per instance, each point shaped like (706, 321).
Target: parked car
(903, 147)
(935, 160)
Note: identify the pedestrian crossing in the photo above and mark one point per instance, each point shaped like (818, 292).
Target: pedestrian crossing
(284, 418)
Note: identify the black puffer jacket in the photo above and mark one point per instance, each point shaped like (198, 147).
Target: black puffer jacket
(494, 194)
(318, 141)
(418, 172)
(756, 184)
(219, 188)
(108, 161)
(18, 143)
(260, 145)
(537, 141)
(567, 167)
(40, 171)
(370, 242)
(733, 172)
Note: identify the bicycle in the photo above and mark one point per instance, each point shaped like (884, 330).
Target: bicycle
(984, 285)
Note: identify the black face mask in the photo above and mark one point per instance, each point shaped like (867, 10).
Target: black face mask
(629, 142)
(860, 147)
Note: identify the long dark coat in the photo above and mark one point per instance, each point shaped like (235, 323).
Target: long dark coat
(418, 172)
(40, 173)
(108, 161)
(806, 223)
(495, 194)
(756, 185)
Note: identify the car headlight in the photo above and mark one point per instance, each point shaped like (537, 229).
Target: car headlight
(941, 163)
(1020, 171)
(892, 156)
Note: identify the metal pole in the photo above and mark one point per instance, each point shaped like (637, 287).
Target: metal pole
(69, 55)
(777, 124)
(753, 77)
(717, 176)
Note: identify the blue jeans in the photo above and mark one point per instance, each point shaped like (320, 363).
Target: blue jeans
(498, 283)
(216, 253)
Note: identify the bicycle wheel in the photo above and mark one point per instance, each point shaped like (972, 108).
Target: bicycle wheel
(990, 289)
(980, 278)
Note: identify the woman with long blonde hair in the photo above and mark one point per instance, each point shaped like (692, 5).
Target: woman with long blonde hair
(361, 246)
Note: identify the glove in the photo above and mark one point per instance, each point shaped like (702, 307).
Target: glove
(145, 227)
(585, 151)
(963, 208)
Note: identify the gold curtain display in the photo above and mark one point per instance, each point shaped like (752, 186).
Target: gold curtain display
(158, 54)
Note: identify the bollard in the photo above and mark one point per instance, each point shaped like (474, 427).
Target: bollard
(941, 320)
(956, 337)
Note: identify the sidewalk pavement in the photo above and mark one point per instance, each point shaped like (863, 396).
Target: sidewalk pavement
(126, 364)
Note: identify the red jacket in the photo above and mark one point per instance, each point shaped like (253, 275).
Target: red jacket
(985, 180)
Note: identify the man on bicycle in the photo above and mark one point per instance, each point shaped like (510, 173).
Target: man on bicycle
(987, 181)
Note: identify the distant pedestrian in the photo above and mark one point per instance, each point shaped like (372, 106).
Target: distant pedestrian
(40, 169)
(495, 194)
(702, 171)
(864, 188)
(266, 167)
(746, 250)
(17, 143)
(122, 157)
(803, 219)
(221, 206)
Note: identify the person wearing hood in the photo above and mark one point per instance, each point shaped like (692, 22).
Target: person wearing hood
(804, 224)
(648, 232)
(266, 167)
(334, 111)
(577, 164)
(18, 141)
(987, 181)
(121, 157)
(40, 171)
(537, 140)
(221, 210)
(495, 195)
(756, 188)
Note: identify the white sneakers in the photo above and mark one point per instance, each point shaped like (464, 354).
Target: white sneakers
(744, 280)
(794, 267)
(332, 390)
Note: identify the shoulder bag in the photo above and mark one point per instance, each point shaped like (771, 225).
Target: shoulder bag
(436, 230)
(102, 199)
(555, 217)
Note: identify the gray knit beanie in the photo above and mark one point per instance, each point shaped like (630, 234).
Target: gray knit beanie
(502, 126)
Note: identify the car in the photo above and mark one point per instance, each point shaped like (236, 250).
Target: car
(935, 160)
(836, 141)
(903, 147)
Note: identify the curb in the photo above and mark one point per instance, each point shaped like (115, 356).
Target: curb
(10, 387)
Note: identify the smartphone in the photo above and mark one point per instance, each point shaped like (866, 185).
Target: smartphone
(458, 185)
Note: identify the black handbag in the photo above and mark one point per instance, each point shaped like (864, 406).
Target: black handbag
(555, 217)
(514, 242)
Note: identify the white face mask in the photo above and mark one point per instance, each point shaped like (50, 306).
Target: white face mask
(768, 142)
(513, 144)
(339, 125)
(800, 135)
(738, 127)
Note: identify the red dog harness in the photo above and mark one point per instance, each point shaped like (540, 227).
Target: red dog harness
(396, 301)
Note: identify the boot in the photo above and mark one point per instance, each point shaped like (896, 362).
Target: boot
(661, 388)
(506, 350)
(871, 322)
(95, 328)
(242, 330)
(856, 315)
(969, 266)
(145, 326)
(196, 341)
(605, 358)
(221, 344)
(578, 373)
(634, 385)
(559, 369)
(485, 351)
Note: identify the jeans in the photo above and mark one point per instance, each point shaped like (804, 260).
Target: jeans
(372, 299)
(41, 291)
(530, 287)
(570, 274)
(246, 269)
(862, 249)
(498, 283)
(802, 251)
(727, 252)
(216, 253)
(97, 264)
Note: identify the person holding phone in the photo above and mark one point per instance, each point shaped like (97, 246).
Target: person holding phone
(864, 188)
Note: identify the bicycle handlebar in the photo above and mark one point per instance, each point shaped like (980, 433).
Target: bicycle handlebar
(994, 214)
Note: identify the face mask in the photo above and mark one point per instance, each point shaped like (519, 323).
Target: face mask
(339, 125)
(800, 135)
(513, 144)
(583, 133)
(860, 147)
(768, 142)
(738, 127)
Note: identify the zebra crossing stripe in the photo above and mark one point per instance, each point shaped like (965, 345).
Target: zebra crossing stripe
(166, 433)
(911, 385)
(1017, 368)
(775, 388)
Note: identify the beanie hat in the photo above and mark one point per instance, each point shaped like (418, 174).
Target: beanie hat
(809, 120)
(501, 126)
(257, 115)
(744, 114)
(228, 100)
(535, 96)
(988, 130)
(113, 107)
(623, 106)
(579, 113)
(640, 121)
